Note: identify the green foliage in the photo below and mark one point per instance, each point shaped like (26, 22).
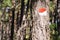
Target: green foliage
(58, 37)
(54, 32)
(27, 32)
(26, 1)
(52, 6)
(0, 12)
(6, 18)
(53, 26)
(27, 36)
(7, 3)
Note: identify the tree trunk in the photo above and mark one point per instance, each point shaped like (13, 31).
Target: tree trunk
(41, 29)
(58, 11)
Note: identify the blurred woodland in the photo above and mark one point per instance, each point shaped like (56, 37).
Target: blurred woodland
(20, 20)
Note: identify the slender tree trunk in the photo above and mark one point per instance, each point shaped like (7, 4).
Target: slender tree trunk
(58, 11)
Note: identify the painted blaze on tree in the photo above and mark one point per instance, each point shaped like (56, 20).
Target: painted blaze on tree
(42, 10)
(41, 24)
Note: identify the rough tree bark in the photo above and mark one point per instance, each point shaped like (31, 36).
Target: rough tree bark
(41, 29)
